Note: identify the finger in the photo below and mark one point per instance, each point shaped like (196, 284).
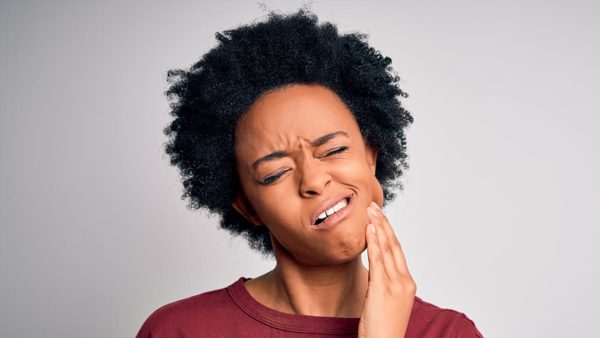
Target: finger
(374, 254)
(395, 245)
(385, 246)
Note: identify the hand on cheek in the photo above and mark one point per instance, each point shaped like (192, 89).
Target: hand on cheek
(391, 289)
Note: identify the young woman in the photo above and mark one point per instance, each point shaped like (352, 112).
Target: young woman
(294, 135)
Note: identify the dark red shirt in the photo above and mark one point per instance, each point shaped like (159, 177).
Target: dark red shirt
(232, 312)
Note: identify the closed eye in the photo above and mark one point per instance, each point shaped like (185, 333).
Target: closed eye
(270, 179)
(336, 151)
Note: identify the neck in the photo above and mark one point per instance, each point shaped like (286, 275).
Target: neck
(327, 291)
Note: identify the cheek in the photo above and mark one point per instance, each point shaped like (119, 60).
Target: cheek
(360, 172)
(376, 190)
(278, 216)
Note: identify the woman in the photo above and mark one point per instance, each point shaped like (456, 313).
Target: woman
(293, 134)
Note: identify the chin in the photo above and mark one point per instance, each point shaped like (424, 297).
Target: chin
(339, 256)
(351, 250)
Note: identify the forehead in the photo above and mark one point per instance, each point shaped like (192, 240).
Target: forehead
(293, 114)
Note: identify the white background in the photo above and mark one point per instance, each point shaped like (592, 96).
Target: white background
(498, 219)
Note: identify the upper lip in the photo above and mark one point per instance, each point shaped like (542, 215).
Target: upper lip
(328, 204)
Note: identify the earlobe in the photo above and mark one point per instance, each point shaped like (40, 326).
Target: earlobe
(242, 205)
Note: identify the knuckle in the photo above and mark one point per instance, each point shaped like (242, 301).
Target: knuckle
(385, 247)
(411, 286)
(402, 287)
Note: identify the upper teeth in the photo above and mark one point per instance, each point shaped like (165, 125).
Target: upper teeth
(333, 209)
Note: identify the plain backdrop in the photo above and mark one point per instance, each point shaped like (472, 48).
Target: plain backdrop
(498, 218)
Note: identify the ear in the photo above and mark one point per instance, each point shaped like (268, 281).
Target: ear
(243, 206)
(371, 154)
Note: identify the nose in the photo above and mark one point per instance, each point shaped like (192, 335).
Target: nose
(313, 177)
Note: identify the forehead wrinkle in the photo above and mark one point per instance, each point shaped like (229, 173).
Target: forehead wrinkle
(302, 144)
(282, 147)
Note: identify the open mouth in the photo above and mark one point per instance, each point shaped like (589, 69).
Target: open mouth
(332, 211)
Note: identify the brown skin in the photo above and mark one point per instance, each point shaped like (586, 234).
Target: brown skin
(319, 271)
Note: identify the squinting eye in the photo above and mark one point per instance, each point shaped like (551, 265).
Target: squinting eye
(270, 179)
(337, 151)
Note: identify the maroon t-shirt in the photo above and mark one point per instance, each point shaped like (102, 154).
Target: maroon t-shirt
(232, 312)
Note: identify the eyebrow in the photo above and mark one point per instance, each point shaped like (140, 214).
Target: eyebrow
(315, 143)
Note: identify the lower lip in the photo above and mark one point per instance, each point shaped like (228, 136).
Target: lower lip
(334, 219)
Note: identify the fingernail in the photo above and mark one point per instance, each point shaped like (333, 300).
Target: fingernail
(372, 228)
(375, 205)
(372, 211)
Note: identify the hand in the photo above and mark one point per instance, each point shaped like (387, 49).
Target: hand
(391, 290)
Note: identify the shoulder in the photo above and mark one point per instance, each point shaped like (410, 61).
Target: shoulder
(429, 320)
(185, 314)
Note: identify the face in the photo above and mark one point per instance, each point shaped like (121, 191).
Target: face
(300, 155)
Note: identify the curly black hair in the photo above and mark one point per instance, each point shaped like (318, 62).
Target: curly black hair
(208, 99)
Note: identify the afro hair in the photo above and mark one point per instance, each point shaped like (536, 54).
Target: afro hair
(208, 99)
